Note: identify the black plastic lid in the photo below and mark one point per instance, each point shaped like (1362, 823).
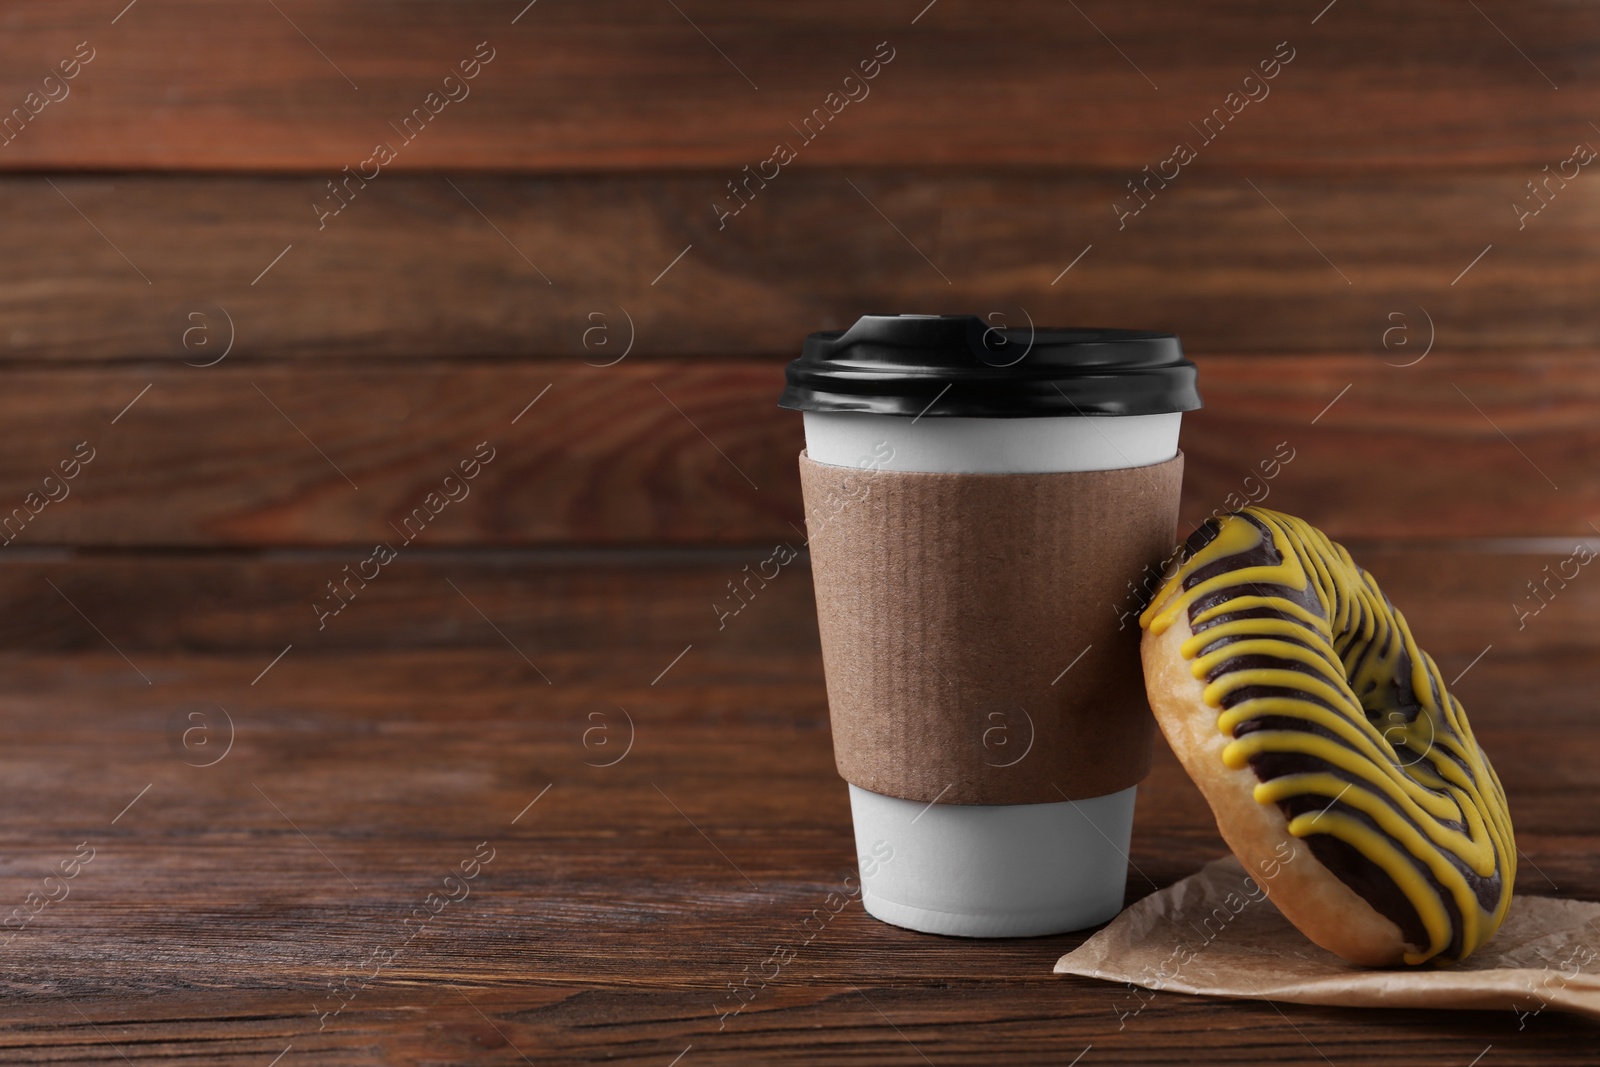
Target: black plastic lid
(958, 365)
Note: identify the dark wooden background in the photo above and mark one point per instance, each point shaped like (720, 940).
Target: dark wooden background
(1344, 262)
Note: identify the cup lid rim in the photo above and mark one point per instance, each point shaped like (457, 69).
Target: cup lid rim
(962, 366)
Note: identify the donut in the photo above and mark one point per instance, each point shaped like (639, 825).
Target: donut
(1339, 769)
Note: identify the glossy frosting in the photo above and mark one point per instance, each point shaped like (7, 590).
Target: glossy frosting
(1347, 725)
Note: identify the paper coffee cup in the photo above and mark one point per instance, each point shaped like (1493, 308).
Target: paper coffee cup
(984, 508)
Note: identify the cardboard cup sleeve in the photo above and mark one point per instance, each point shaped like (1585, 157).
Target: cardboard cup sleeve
(980, 632)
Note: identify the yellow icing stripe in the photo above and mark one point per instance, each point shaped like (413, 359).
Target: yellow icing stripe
(1349, 691)
(1243, 603)
(1361, 791)
(1395, 863)
(1416, 800)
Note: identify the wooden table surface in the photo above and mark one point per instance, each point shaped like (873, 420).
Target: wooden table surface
(610, 907)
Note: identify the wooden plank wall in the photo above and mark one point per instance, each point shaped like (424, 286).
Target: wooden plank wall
(271, 371)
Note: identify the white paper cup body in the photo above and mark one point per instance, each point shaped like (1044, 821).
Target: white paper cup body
(992, 870)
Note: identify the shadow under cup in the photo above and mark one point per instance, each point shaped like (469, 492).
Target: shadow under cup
(986, 511)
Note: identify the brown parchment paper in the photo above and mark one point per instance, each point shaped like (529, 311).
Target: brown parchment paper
(976, 632)
(1217, 933)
